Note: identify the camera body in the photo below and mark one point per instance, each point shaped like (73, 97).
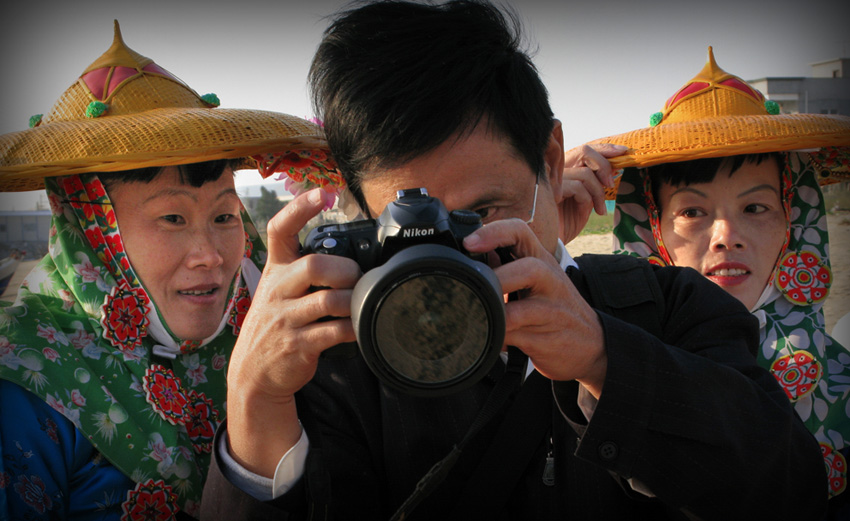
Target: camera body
(428, 315)
(413, 218)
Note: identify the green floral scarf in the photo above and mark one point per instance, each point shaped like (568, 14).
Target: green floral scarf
(84, 336)
(813, 368)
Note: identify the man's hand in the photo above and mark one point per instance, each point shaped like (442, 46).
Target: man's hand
(586, 174)
(550, 322)
(281, 339)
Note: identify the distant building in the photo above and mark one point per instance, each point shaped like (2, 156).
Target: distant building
(28, 231)
(827, 91)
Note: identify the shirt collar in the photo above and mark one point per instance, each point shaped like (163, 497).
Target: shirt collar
(563, 257)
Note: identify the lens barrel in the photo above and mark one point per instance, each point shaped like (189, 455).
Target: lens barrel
(430, 321)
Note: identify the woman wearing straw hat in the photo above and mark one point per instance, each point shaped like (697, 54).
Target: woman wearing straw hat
(113, 356)
(723, 183)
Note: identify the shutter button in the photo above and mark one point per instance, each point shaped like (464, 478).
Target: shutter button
(608, 451)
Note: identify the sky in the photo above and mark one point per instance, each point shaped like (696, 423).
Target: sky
(608, 65)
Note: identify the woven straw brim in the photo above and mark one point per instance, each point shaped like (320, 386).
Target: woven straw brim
(158, 137)
(729, 136)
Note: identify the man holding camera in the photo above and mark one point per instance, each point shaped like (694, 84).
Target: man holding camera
(637, 399)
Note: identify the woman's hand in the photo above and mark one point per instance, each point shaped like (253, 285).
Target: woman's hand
(586, 174)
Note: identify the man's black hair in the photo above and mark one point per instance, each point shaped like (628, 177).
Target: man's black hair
(696, 171)
(394, 80)
(193, 174)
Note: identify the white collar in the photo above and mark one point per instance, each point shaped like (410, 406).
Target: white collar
(563, 256)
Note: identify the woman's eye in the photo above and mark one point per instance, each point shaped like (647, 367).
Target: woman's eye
(173, 218)
(225, 218)
(755, 208)
(690, 213)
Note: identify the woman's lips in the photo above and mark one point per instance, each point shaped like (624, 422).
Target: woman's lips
(199, 294)
(729, 273)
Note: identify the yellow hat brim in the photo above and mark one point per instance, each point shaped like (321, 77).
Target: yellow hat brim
(728, 136)
(157, 137)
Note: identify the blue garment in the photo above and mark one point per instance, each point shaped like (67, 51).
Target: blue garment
(48, 469)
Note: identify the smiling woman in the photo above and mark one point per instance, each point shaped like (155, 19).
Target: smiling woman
(114, 353)
(185, 242)
(723, 183)
(731, 227)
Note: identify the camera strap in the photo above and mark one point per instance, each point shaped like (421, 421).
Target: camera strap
(504, 389)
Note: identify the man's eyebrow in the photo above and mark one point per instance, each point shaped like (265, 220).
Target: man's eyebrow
(481, 202)
(484, 199)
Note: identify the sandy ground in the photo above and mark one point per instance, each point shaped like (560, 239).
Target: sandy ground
(12, 290)
(838, 302)
(837, 305)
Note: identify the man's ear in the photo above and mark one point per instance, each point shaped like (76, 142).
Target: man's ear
(553, 159)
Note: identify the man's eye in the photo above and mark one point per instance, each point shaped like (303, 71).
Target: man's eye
(485, 213)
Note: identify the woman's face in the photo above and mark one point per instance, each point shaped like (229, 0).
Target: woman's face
(731, 229)
(185, 244)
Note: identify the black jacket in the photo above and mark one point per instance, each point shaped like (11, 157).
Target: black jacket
(689, 416)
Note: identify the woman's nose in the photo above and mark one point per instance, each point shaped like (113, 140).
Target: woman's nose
(725, 235)
(204, 251)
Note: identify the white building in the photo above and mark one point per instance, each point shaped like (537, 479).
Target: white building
(827, 91)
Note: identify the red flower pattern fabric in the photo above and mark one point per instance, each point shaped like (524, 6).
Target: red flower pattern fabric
(124, 318)
(150, 501)
(836, 468)
(240, 309)
(201, 419)
(803, 278)
(165, 392)
(797, 373)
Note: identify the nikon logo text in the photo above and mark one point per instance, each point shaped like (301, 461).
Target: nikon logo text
(417, 232)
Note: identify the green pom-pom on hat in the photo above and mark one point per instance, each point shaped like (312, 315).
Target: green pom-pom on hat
(96, 109)
(35, 120)
(655, 119)
(772, 107)
(211, 99)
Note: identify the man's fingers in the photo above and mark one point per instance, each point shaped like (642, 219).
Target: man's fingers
(283, 228)
(507, 233)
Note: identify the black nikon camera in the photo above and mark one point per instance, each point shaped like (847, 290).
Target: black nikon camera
(428, 315)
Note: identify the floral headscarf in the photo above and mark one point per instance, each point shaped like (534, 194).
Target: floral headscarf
(812, 368)
(84, 336)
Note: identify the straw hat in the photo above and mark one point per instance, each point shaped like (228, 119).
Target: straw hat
(126, 112)
(717, 114)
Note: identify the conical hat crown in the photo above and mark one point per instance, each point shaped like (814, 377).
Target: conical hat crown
(127, 112)
(713, 92)
(125, 82)
(717, 114)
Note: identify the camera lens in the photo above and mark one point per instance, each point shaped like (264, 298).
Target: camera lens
(430, 321)
(431, 328)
